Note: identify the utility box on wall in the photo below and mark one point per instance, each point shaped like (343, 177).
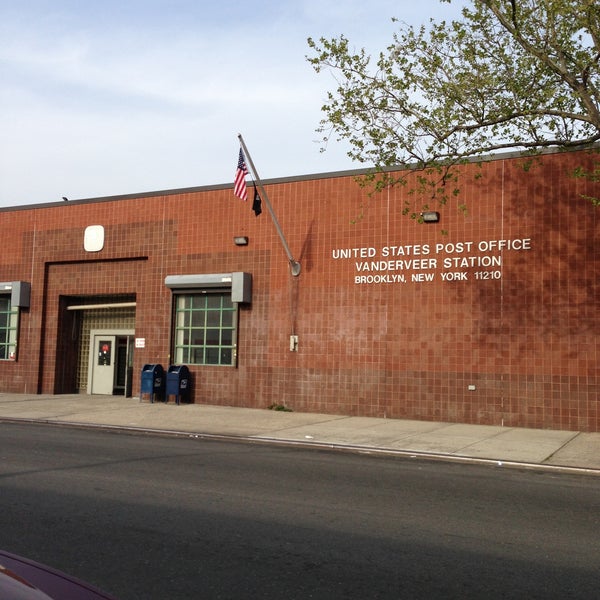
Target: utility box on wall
(241, 287)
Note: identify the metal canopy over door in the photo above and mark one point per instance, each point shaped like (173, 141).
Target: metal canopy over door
(111, 358)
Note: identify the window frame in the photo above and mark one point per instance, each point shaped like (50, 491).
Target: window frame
(9, 329)
(186, 325)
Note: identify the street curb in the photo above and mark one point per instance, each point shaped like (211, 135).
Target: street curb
(336, 447)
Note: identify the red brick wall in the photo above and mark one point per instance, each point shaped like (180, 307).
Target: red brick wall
(524, 334)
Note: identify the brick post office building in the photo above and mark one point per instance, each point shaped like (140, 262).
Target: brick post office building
(489, 316)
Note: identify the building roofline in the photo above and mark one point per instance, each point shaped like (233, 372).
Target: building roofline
(279, 180)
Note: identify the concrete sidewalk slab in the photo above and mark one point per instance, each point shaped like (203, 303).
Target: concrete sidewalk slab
(448, 438)
(582, 450)
(523, 445)
(354, 431)
(243, 421)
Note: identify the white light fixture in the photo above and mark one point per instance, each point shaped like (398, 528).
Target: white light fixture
(93, 238)
(240, 240)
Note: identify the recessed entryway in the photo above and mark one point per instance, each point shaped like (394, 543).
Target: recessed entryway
(110, 362)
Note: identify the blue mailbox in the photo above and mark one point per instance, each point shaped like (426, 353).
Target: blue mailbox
(178, 382)
(153, 381)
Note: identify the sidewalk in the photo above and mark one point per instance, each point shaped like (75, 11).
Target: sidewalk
(501, 446)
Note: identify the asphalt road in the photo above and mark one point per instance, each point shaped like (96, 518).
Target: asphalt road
(170, 518)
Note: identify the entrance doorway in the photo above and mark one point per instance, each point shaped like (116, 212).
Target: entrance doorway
(111, 362)
(76, 353)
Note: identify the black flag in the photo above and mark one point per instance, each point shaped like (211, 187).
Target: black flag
(256, 205)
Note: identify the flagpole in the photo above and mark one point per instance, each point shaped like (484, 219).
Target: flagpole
(294, 264)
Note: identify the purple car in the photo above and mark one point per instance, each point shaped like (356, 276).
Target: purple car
(23, 579)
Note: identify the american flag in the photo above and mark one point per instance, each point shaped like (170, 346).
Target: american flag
(239, 184)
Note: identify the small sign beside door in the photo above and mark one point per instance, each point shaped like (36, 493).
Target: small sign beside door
(140, 342)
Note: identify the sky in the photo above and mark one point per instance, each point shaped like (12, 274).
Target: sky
(102, 98)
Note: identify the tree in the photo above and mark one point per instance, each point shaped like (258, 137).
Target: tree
(511, 75)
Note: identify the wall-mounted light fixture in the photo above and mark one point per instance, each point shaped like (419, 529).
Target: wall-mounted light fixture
(240, 240)
(430, 216)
